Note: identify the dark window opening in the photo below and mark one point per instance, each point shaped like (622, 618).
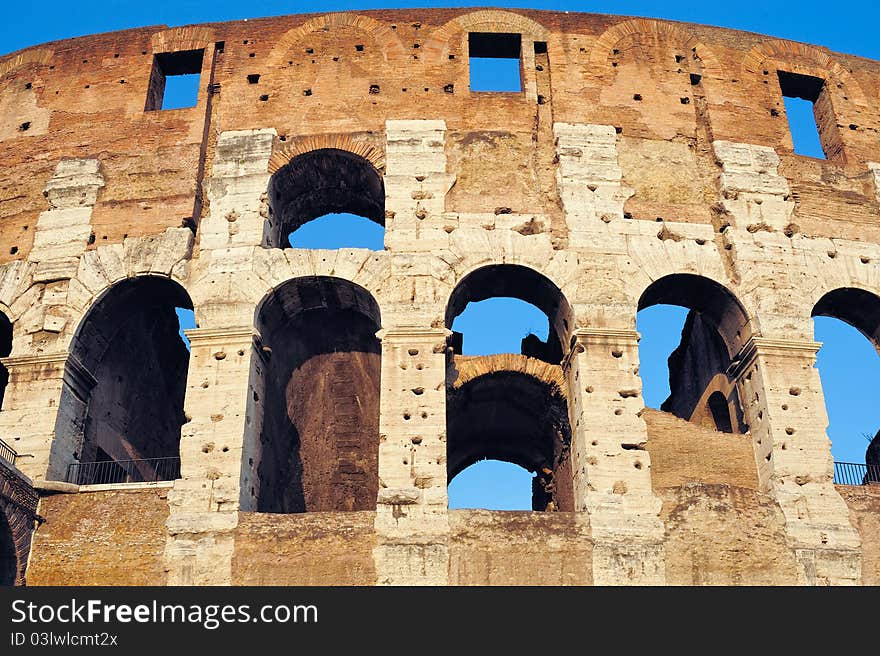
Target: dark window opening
(174, 80)
(720, 413)
(495, 62)
(801, 93)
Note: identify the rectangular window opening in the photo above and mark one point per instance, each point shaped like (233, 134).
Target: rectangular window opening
(800, 94)
(494, 62)
(174, 81)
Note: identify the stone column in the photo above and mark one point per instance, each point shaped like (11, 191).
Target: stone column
(785, 409)
(30, 407)
(612, 477)
(217, 456)
(411, 514)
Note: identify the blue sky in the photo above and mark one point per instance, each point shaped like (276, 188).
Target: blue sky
(846, 360)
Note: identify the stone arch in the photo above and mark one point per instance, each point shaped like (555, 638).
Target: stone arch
(314, 445)
(367, 269)
(501, 412)
(436, 47)
(715, 332)
(381, 34)
(122, 398)
(319, 182)
(858, 307)
(38, 56)
(190, 37)
(527, 284)
(716, 303)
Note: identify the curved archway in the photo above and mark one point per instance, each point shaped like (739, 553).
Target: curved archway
(321, 182)
(847, 322)
(122, 401)
(316, 444)
(8, 555)
(517, 418)
(713, 327)
(522, 283)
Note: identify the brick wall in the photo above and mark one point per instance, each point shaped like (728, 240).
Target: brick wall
(101, 538)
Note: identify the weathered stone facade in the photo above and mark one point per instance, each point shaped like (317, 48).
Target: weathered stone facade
(643, 162)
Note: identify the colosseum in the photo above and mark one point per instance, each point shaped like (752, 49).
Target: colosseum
(306, 434)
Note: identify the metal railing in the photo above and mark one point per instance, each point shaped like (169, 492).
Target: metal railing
(851, 473)
(123, 471)
(7, 453)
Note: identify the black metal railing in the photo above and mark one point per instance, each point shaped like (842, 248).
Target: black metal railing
(123, 471)
(7, 453)
(851, 473)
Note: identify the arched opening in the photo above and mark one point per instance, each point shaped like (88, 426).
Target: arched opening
(514, 418)
(847, 322)
(691, 329)
(331, 188)
(122, 402)
(8, 556)
(517, 287)
(5, 350)
(317, 377)
(719, 412)
(505, 399)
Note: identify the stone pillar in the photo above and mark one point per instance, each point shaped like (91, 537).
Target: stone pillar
(217, 456)
(416, 184)
(589, 179)
(237, 191)
(612, 477)
(785, 409)
(411, 514)
(753, 192)
(30, 407)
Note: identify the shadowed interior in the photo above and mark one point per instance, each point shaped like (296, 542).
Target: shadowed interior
(126, 378)
(8, 557)
(324, 181)
(515, 418)
(319, 443)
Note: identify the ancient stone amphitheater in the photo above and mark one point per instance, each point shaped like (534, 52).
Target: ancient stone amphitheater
(309, 434)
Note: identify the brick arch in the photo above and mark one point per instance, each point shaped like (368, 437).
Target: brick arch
(381, 34)
(282, 154)
(18, 505)
(39, 56)
(436, 47)
(800, 58)
(663, 32)
(191, 37)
